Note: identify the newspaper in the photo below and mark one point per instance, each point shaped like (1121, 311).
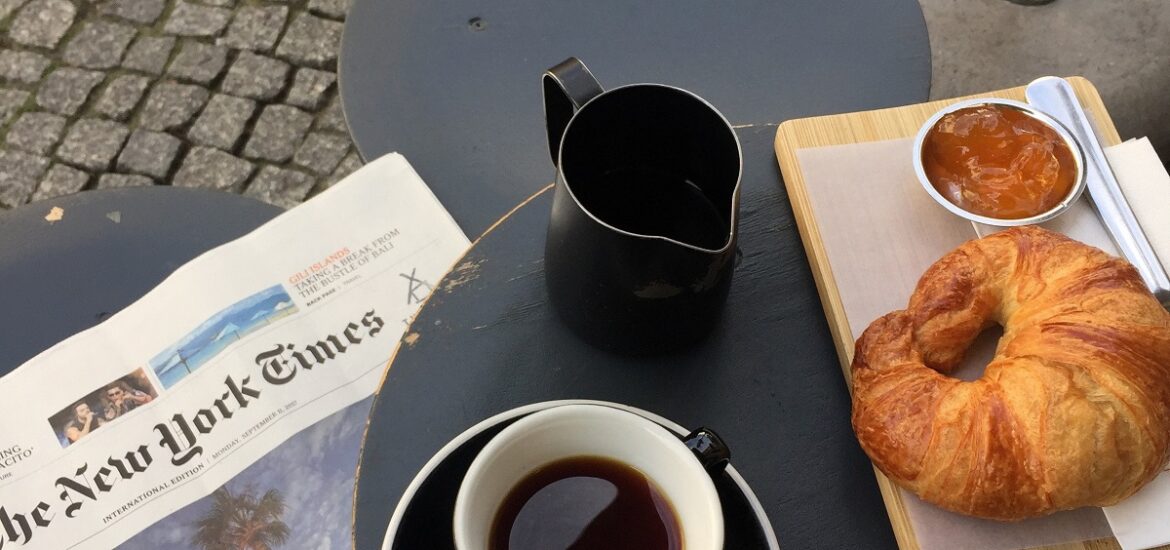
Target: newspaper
(188, 410)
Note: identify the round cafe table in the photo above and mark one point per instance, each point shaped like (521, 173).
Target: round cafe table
(767, 379)
(108, 249)
(454, 86)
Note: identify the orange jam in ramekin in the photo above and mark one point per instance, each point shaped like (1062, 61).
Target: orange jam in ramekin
(996, 161)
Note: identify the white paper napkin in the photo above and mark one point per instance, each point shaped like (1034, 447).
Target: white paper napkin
(1146, 186)
(1143, 520)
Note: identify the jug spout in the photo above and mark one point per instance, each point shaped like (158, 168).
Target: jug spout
(567, 87)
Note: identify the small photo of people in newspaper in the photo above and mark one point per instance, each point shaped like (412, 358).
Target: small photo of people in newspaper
(218, 332)
(102, 406)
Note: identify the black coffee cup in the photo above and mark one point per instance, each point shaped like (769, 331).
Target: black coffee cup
(642, 239)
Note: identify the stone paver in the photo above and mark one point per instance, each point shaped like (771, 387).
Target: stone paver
(143, 12)
(10, 102)
(255, 28)
(42, 23)
(330, 8)
(99, 45)
(348, 166)
(278, 133)
(36, 132)
(19, 174)
(198, 62)
(108, 181)
(321, 152)
(188, 19)
(9, 6)
(222, 122)
(149, 153)
(213, 169)
(309, 87)
(65, 90)
(149, 54)
(171, 105)
(21, 66)
(256, 76)
(60, 180)
(284, 188)
(92, 143)
(332, 117)
(352, 162)
(237, 95)
(311, 41)
(121, 96)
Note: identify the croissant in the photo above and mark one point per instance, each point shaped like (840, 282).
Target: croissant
(1074, 410)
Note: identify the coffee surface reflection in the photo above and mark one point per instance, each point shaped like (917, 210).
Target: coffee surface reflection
(586, 503)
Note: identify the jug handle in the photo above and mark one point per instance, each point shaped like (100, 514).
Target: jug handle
(567, 87)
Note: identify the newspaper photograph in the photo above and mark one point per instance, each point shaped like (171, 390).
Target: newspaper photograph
(226, 407)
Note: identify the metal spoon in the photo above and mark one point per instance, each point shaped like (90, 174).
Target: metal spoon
(1055, 96)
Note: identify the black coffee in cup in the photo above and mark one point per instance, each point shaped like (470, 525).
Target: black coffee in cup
(586, 503)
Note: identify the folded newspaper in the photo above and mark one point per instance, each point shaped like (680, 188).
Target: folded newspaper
(225, 408)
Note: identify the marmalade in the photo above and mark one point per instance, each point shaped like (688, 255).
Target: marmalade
(996, 161)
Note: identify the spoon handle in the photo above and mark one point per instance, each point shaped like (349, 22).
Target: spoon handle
(1055, 97)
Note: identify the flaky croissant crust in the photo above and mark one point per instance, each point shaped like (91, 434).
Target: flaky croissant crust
(1074, 410)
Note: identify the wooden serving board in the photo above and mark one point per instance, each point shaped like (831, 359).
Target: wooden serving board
(873, 126)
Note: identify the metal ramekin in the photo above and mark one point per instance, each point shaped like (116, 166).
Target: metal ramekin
(1077, 154)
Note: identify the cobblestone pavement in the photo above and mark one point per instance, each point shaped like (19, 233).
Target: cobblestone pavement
(235, 95)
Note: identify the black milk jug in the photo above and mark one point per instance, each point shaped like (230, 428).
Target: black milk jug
(642, 238)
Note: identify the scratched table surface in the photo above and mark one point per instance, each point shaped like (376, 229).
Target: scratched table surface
(107, 250)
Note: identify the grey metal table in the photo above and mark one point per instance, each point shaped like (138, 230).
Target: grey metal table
(109, 248)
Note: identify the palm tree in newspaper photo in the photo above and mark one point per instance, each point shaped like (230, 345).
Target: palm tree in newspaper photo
(242, 521)
(314, 473)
